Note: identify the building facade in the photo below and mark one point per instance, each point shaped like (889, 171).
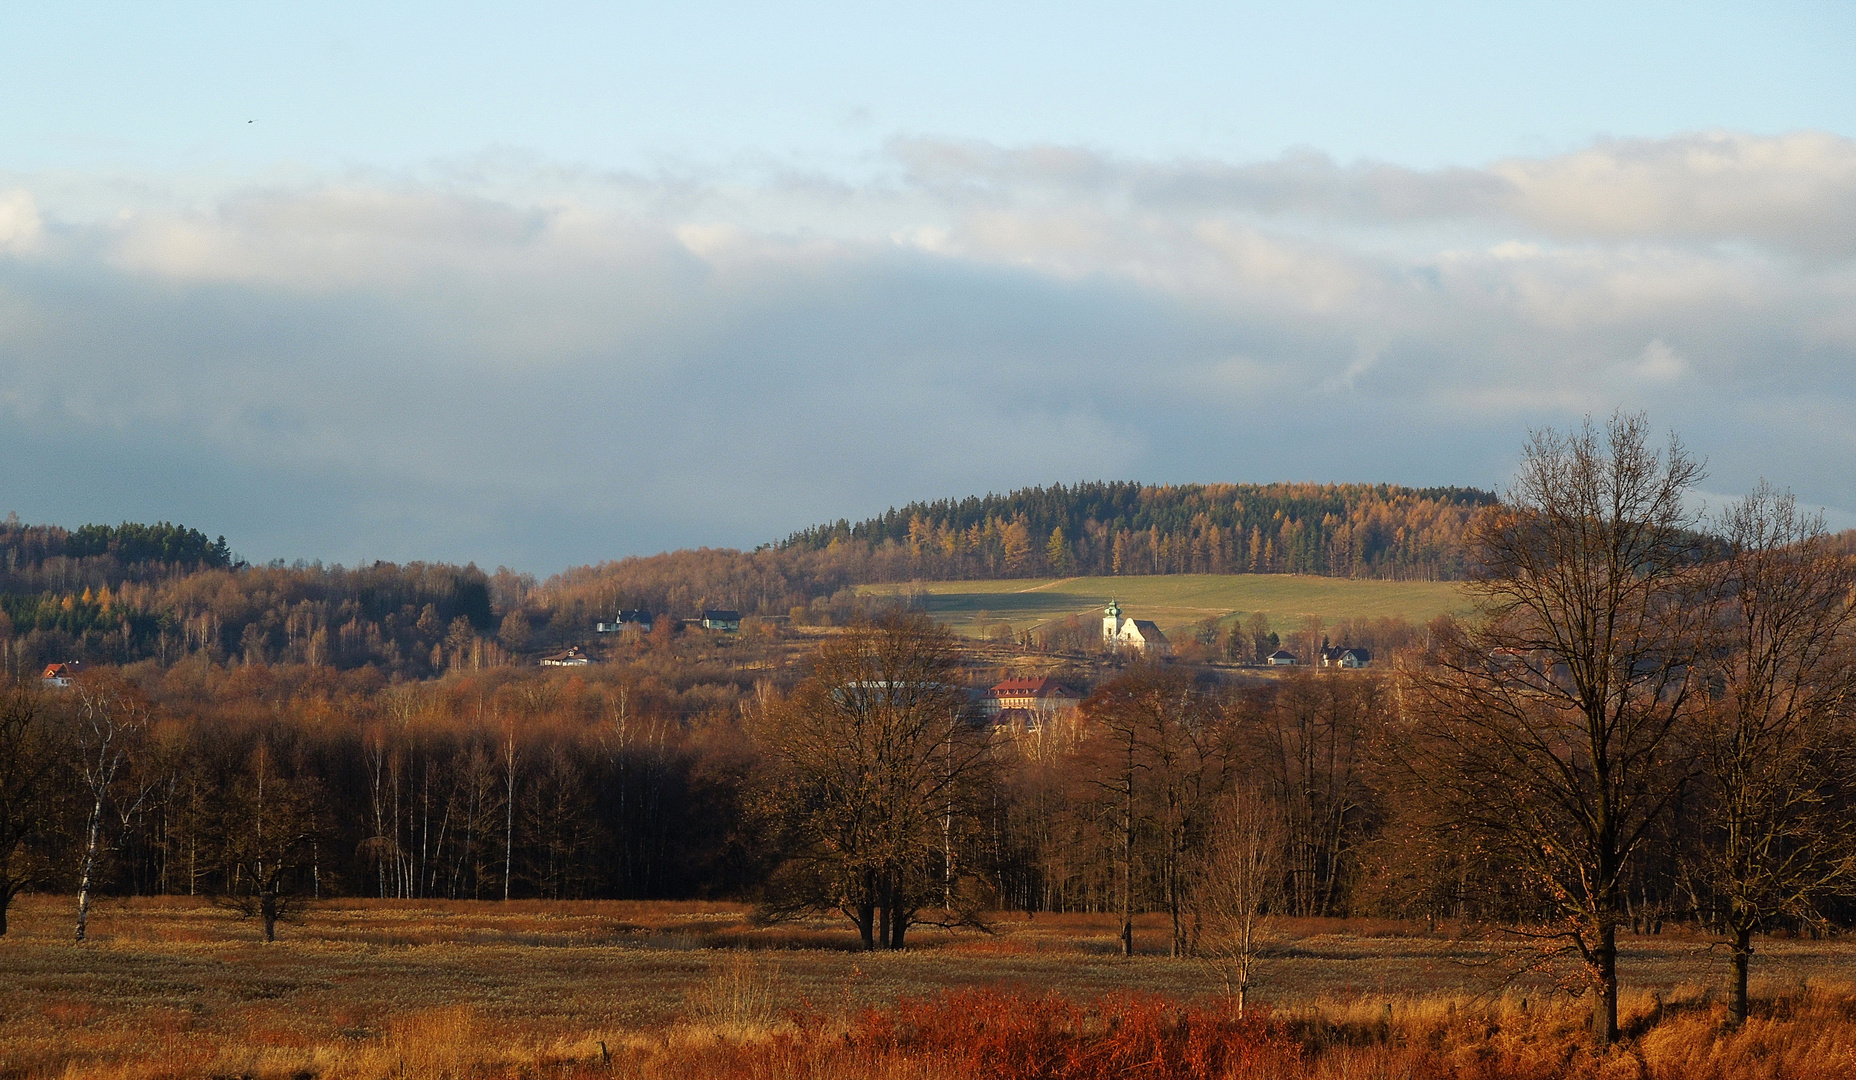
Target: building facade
(1137, 635)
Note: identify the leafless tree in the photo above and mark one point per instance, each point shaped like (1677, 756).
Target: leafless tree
(1308, 738)
(30, 762)
(1157, 753)
(872, 756)
(1552, 726)
(1242, 883)
(111, 728)
(1776, 831)
(266, 833)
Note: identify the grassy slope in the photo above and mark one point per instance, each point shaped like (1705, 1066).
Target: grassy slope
(1175, 600)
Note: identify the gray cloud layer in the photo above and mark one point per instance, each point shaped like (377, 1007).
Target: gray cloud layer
(519, 364)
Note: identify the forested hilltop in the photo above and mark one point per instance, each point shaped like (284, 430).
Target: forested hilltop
(162, 592)
(1346, 530)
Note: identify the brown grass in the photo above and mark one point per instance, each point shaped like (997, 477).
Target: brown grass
(177, 988)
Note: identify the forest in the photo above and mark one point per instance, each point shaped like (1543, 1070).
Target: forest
(165, 592)
(1349, 530)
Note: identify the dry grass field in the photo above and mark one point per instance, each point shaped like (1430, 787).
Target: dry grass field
(973, 608)
(178, 988)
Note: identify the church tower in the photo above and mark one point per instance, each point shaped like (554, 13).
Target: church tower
(1111, 623)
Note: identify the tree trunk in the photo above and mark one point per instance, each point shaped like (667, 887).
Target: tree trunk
(1605, 994)
(866, 912)
(90, 864)
(866, 925)
(1173, 901)
(6, 901)
(267, 910)
(1742, 959)
(1127, 865)
(509, 817)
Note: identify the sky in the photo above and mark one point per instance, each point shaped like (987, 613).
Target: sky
(545, 284)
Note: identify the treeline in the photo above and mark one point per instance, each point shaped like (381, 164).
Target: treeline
(410, 621)
(40, 558)
(508, 783)
(661, 777)
(1345, 530)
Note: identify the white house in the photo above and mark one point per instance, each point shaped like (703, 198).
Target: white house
(1137, 634)
(571, 658)
(637, 621)
(1339, 657)
(1282, 658)
(727, 622)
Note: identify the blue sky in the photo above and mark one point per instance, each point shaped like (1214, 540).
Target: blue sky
(546, 284)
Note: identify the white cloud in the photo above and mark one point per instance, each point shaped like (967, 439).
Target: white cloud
(542, 367)
(1794, 192)
(20, 227)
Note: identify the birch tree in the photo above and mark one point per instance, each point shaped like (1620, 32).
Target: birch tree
(1243, 873)
(110, 729)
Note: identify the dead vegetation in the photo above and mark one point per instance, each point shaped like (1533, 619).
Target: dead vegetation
(361, 989)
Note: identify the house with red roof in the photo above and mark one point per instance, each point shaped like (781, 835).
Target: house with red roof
(1037, 697)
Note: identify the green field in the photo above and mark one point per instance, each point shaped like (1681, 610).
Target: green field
(1178, 600)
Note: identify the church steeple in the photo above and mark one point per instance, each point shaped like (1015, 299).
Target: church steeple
(1111, 624)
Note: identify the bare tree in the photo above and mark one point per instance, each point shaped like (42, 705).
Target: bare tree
(1114, 758)
(111, 728)
(1776, 831)
(1309, 737)
(1156, 750)
(1242, 882)
(872, 757)
(267, 832)
(1551, 727)
(30, 760)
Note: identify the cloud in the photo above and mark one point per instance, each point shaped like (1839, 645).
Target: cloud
(1793, 193)
(20, 227)
(523, 364)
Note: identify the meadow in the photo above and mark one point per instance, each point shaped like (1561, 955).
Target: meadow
(175, 987)
(973, 608)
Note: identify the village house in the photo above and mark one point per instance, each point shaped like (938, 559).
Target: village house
(1137, 635)
(1342, 657)
(632, 621)
(1282, 658)
(571, 658)
(727, 622)
(60, 675)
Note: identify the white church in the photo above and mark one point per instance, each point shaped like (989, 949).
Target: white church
(1135, 634)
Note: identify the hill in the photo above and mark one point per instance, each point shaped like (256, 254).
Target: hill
(1344, 530)
(1177, 602)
